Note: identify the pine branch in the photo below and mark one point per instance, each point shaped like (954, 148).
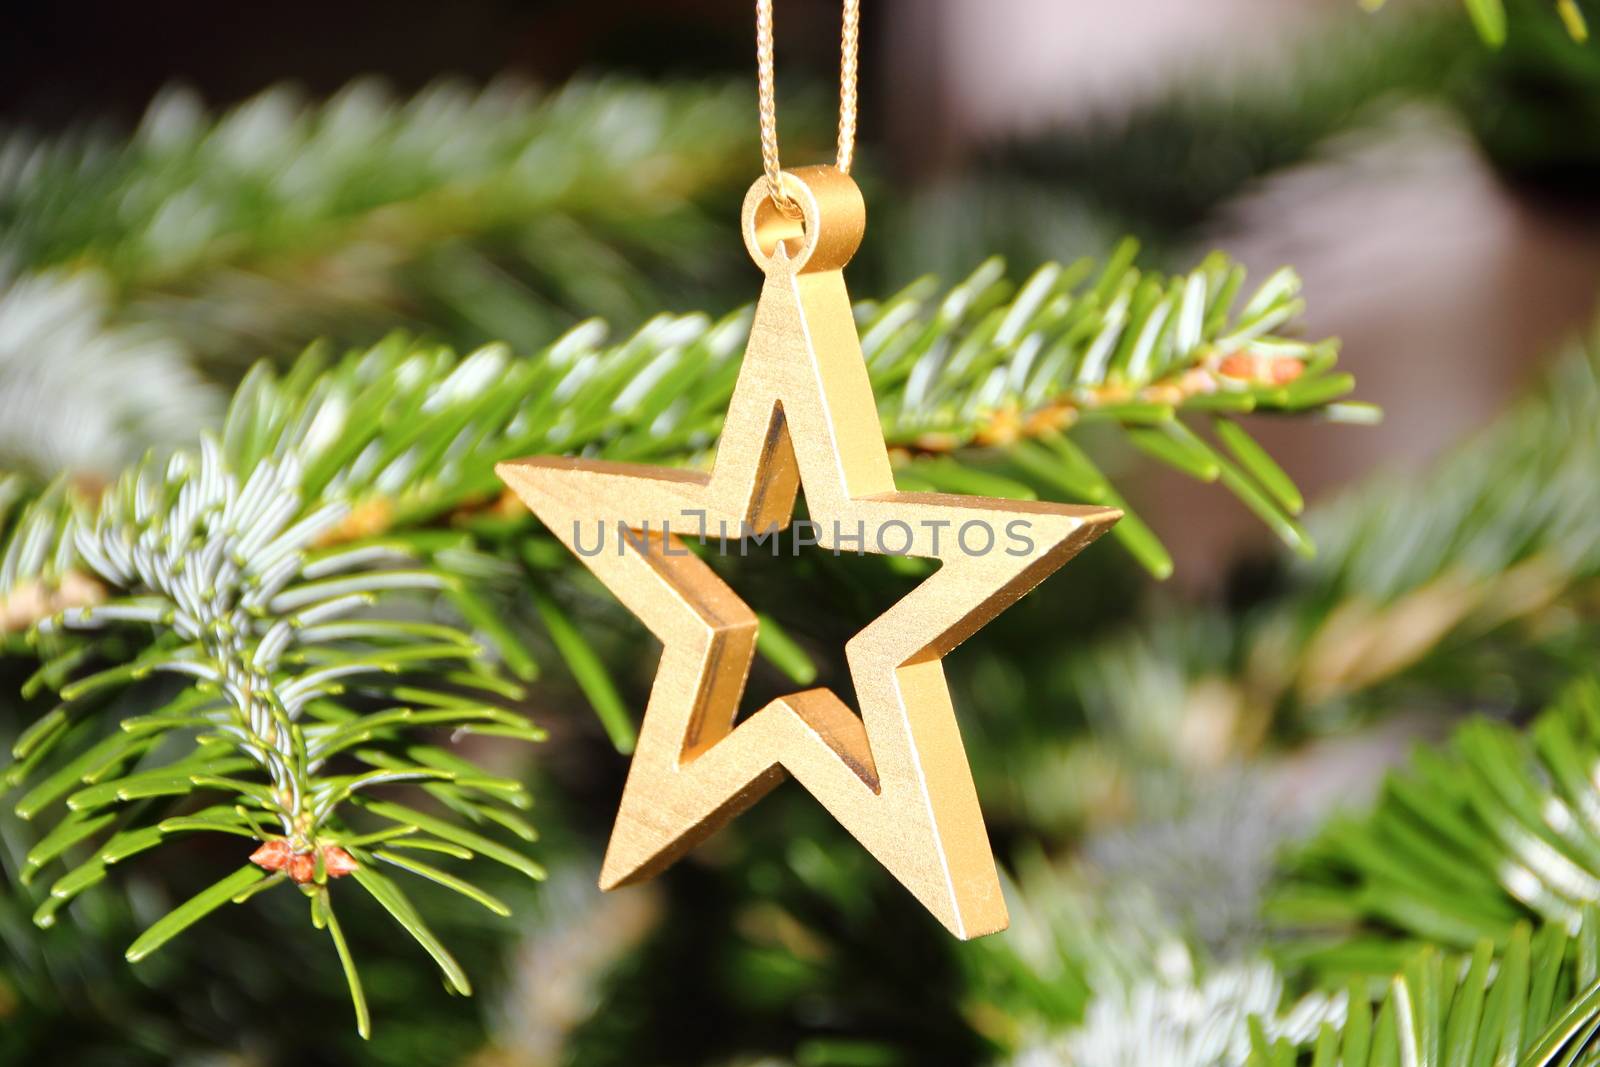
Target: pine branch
(1088, 976)
(478, 214)
(1498, 826)
(1536, 1002)
(1444, 583)
(1152, 355)
(294, 680)
(190, 195)
(302, 689)
(1191, 1020)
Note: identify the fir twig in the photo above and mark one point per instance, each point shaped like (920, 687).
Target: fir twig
(497, 212)
(1500, 826)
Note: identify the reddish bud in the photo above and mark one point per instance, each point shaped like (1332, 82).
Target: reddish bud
(302, 867)
(276, 855)
(1238, 365)
(272, 855)
(337, 862)
(1243, 366)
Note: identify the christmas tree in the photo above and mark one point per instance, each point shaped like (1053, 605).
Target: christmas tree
(317, 735)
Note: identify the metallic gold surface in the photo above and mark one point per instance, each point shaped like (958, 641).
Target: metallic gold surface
(802, 413)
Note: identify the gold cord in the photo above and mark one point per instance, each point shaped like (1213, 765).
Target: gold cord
(849, 40)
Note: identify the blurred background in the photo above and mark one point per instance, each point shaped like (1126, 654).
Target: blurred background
(1439, 198)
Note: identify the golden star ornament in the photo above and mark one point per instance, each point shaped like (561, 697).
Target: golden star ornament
(802, 414)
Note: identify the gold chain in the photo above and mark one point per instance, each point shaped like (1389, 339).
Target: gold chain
(849, 40)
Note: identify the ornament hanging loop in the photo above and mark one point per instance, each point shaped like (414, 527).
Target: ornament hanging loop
(766, 93)
(825, 231)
